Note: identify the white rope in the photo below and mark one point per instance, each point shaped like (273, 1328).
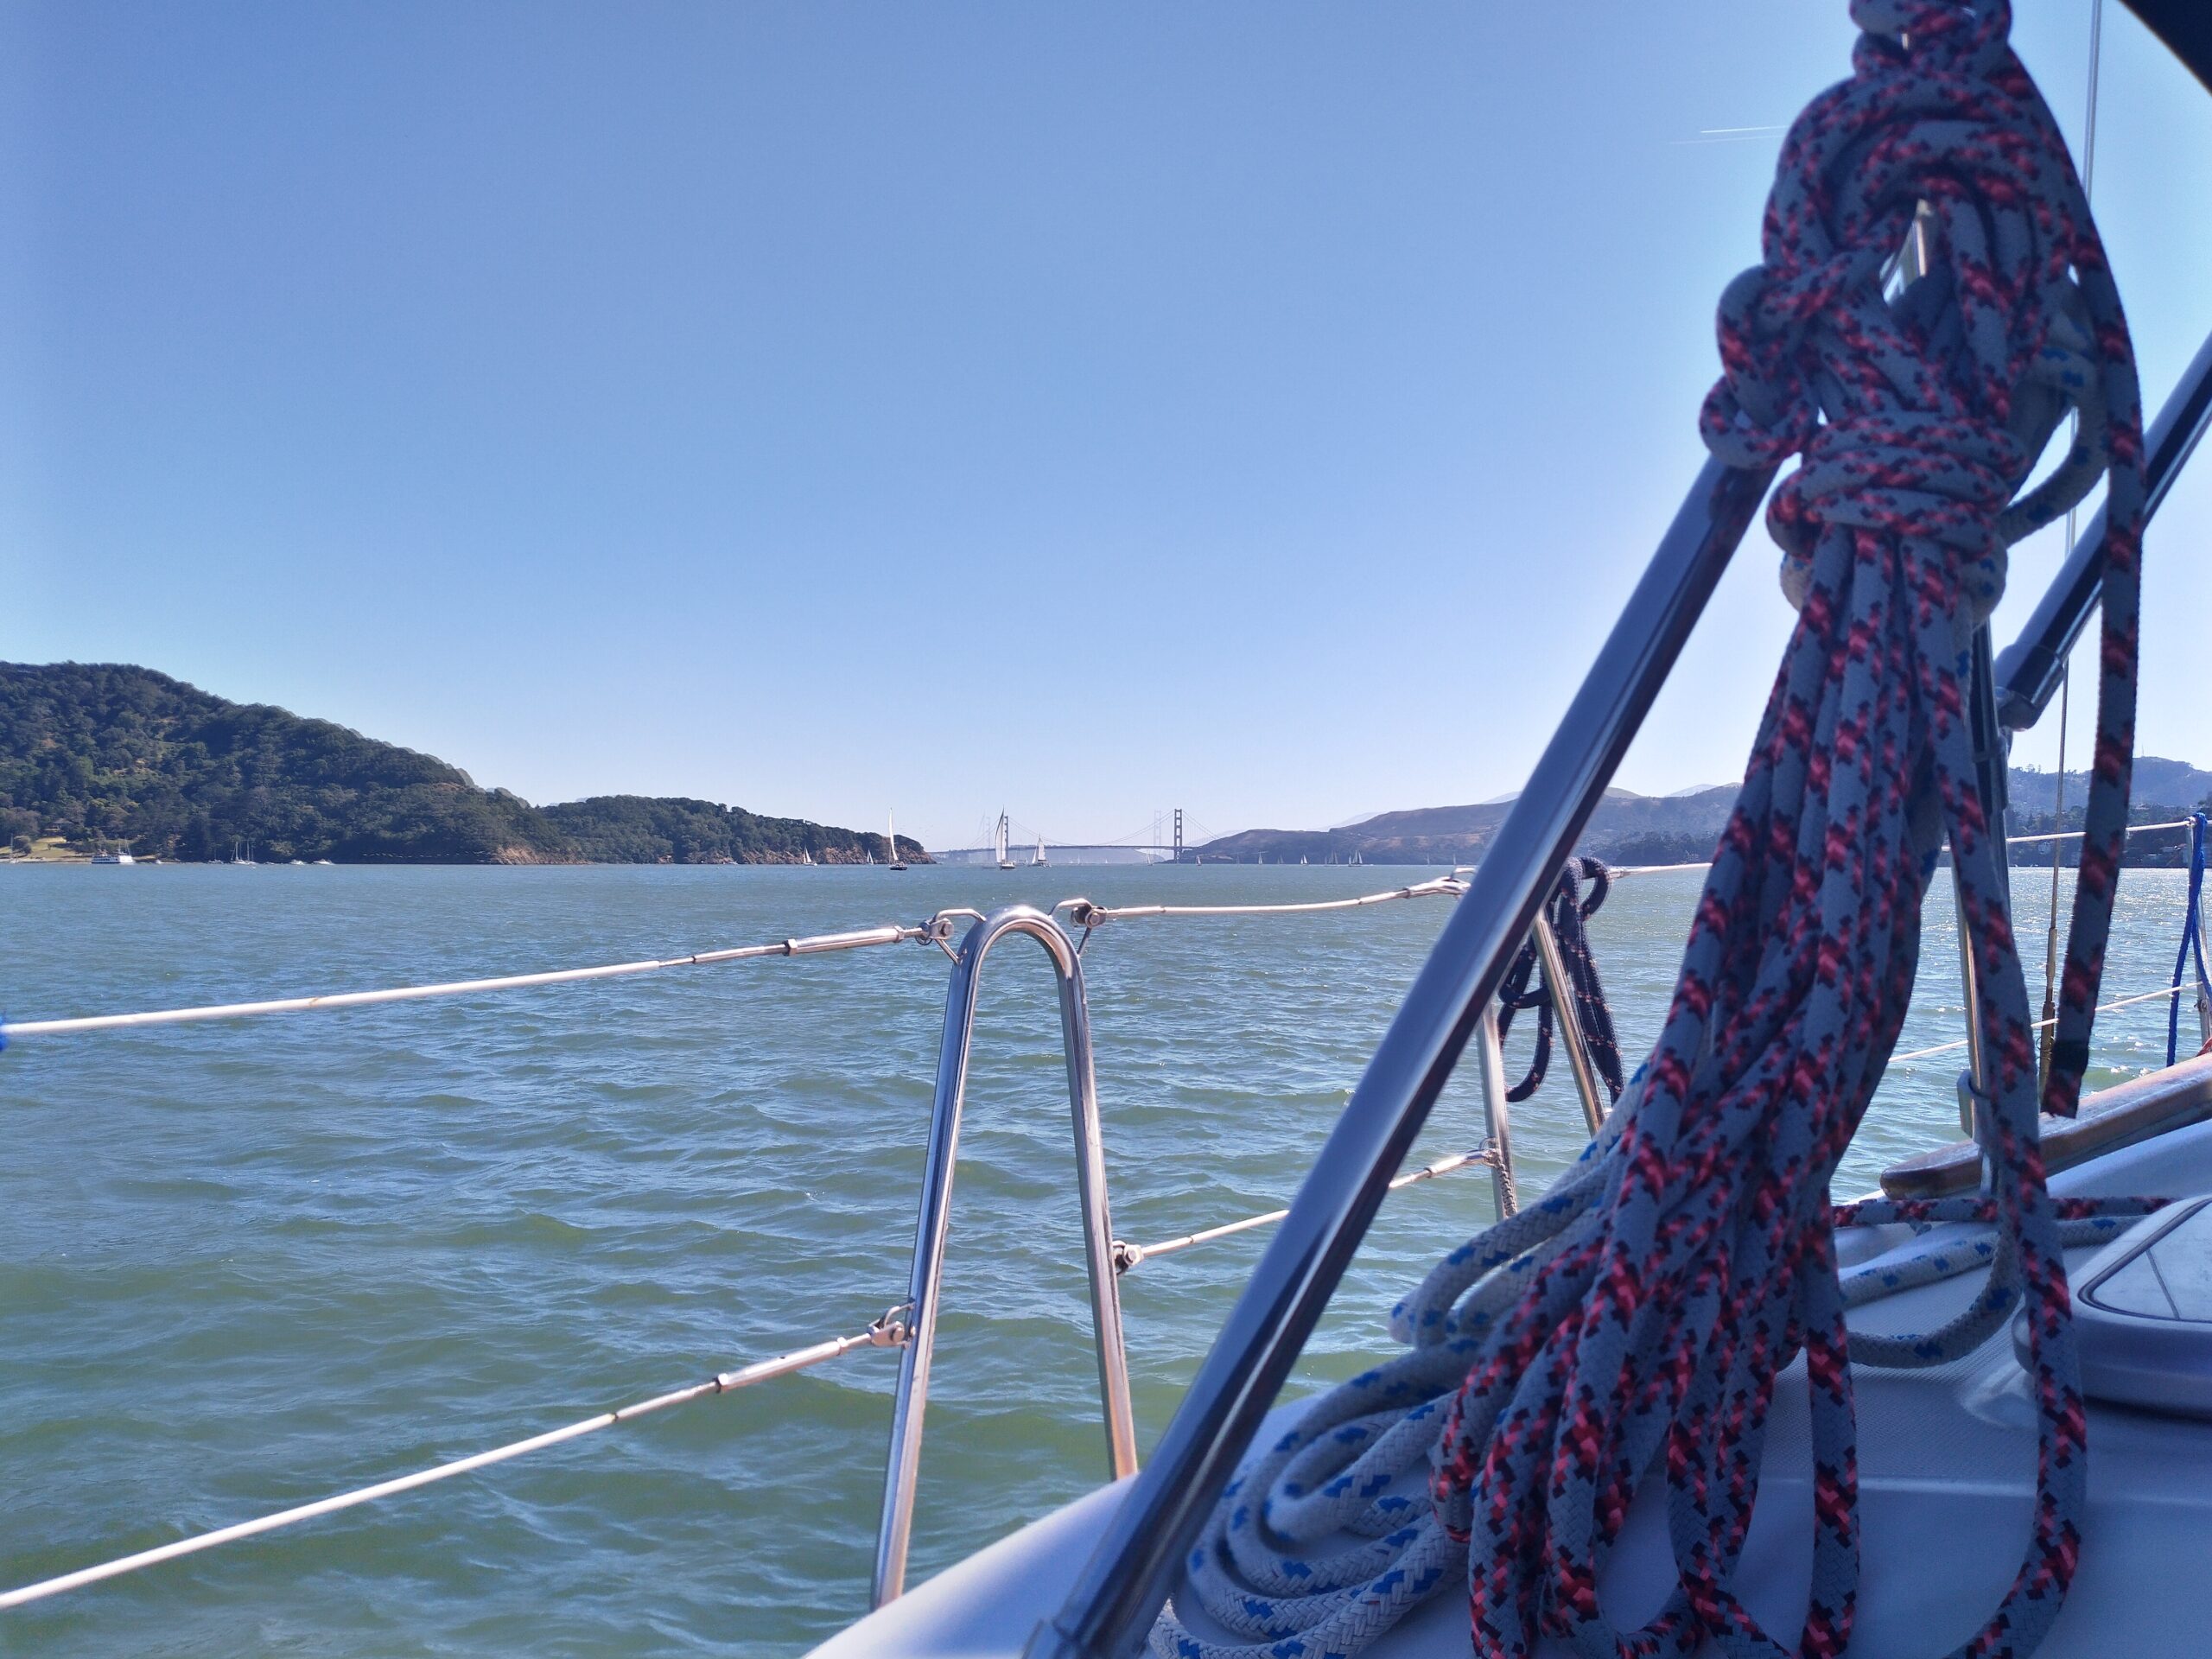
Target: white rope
(1082, 912)
(2076, 835)
(889, 934)
(2040, 1025)
(1085, 913)
(1130, 1255)
(888, 1331)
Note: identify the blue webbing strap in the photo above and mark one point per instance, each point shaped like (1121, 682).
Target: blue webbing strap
(2192, 937)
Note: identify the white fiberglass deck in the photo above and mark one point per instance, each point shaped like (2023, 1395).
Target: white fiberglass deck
(1947, 1466)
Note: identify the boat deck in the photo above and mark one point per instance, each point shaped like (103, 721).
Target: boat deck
(1947, 1467)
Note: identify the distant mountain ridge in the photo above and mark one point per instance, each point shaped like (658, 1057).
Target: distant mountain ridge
(1626, 829)
(165, 770)
(1680, 829)
(2174, 784)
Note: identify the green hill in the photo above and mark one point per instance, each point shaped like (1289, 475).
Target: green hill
(670, 829)
(125, 754)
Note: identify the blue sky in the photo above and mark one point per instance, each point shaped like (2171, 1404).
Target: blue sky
(1091, 409)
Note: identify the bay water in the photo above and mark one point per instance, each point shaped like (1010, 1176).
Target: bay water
(247, 1264)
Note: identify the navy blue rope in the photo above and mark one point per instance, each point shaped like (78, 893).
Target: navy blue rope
(1568, 911)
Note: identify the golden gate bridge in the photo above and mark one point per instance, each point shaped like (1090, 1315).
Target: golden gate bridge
(1168, 839)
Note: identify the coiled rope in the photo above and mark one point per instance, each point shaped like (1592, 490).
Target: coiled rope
(1568, 913)
(1645, 1306)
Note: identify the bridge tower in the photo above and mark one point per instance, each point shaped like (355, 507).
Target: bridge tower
(1179, 835)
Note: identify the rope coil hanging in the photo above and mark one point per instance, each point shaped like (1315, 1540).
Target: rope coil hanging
(1568, 913)
(1636, 1319)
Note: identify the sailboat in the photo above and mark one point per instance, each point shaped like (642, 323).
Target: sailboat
(891, 838)
(1038, 862)
(1005, 863)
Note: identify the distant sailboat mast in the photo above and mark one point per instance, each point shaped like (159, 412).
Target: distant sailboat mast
(891, 836)
(1005, 863)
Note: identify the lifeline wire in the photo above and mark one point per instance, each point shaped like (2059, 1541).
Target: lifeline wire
(935, 931)
(1081, 912)
(1126, 1257)
(818, 944)
(2041, 1024)
(887, 1332)
(1637, 1317)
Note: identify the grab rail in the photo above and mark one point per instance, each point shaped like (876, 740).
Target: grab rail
(903, 1466)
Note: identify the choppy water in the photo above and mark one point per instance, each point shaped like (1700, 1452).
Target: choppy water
(244, 1265)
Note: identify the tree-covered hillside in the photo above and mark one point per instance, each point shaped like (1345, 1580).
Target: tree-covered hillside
(662, 830)
(122, 754)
